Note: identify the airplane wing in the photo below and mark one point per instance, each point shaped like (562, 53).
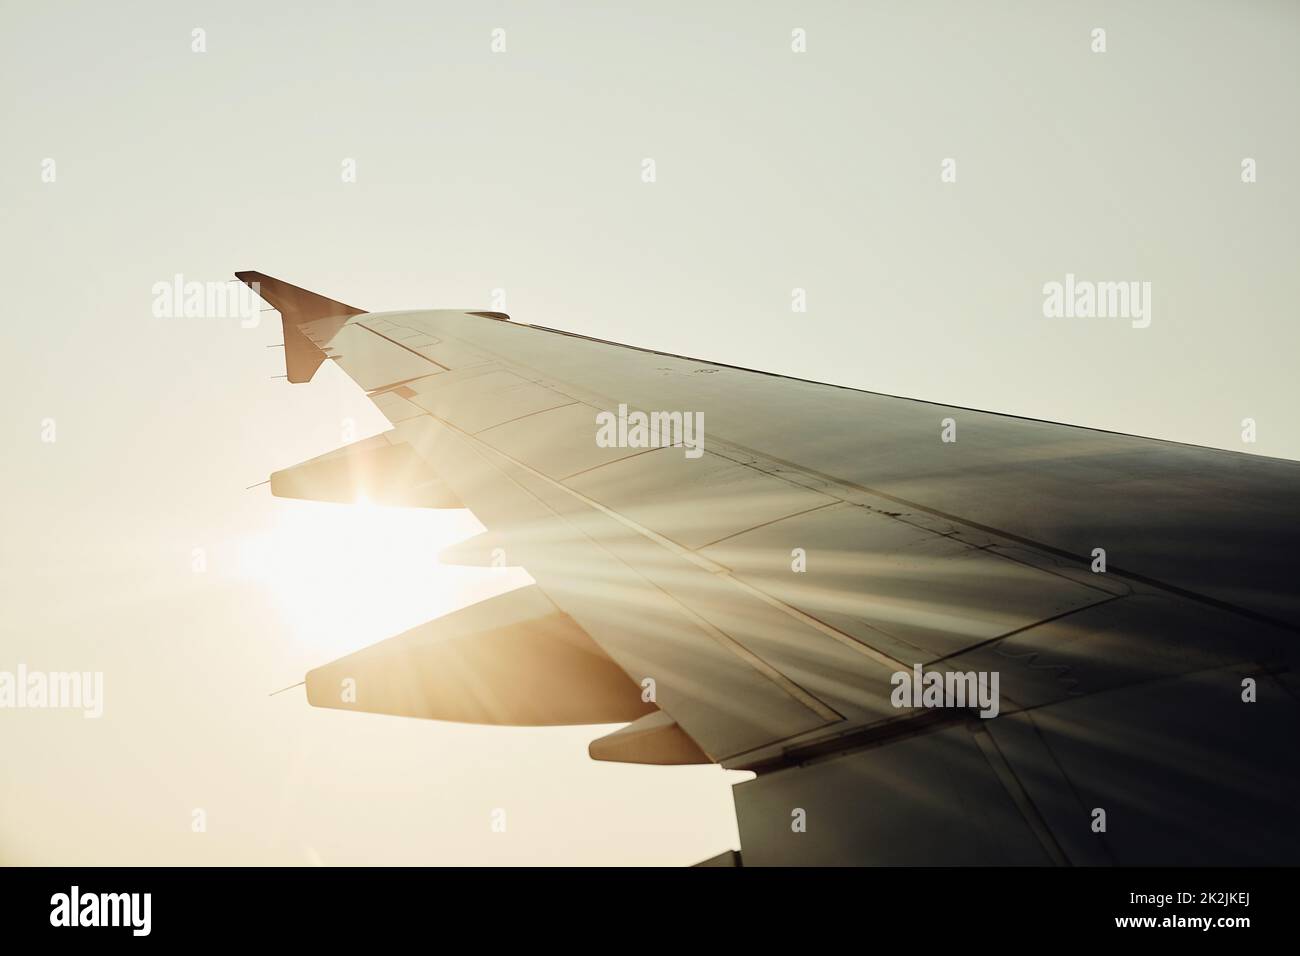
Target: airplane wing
(759, 594)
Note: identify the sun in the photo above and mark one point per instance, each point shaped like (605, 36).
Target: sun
(344, 576)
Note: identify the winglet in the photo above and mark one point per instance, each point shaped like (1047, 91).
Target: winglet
(294, 304)
(297, 307)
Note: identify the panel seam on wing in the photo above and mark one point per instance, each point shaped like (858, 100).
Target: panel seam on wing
(721, 637)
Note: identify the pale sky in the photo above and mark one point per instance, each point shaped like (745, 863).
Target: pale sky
(522, 171)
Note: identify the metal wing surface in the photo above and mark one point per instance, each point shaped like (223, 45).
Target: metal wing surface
(749, 598)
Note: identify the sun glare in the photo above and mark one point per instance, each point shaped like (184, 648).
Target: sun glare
(345, 576)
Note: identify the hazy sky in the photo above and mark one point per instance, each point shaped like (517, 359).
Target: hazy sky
(523, 171)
